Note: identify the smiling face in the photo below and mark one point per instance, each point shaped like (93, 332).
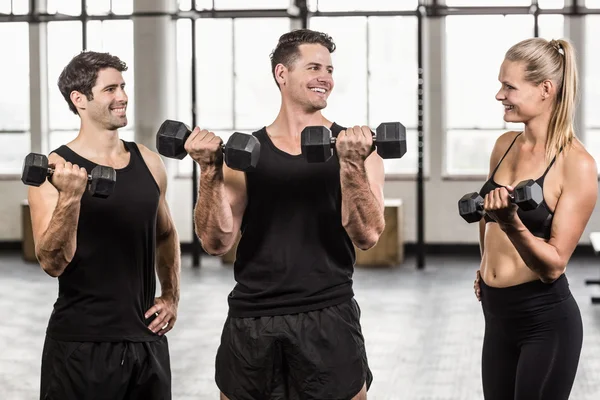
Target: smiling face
(522, 100)
(108, 105)
(308, 82)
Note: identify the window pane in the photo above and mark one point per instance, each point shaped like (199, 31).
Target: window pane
(470, 99)
(13, 149)
(257, 99)
(64, 43)
(69, 7)
(98, 7)
(347, 103)
(58, 138)
(116, 37)
(5, 6)
(20, 7)
(362, 5)
(204, 4)
(393, 70)
(592, 3)
(14, 104)
(254, 4)
(592, 144)
(184, 71)
(488, 3)
(592, 78)
(393, 82)
(468, 151)
(551, 4)
(122, 7)
(471, 91)
(591, 89)
(551, 26)
(214, 73)
(185, 5)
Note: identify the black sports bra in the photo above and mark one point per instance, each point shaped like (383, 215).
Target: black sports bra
(538, 221)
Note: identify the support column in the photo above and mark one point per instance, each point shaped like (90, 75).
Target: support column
(38, 82)
(433, 48)
(575, 32)
(154, 68)
(155, 73)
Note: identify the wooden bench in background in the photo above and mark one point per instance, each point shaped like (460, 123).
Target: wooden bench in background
(595, 239)
(28, 246)
(389, 250)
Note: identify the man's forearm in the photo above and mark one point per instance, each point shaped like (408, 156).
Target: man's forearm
(539, 256)
(212, 215)
(362, 215)
(168, 265)
(57, 245)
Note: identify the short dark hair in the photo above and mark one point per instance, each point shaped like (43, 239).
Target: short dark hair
(287, 53)
(82, 72)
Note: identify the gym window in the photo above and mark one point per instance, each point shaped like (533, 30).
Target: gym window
(591, 97)
(14, 103)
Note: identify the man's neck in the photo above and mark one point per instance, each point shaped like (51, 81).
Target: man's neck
(94, 143)
(291, 121)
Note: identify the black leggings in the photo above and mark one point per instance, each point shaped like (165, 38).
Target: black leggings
(532, 342)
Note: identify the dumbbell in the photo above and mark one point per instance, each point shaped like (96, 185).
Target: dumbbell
(527, 195)
(241, 151)
(317, 142)
(101, 181)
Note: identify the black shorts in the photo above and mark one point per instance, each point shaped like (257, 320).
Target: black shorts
(105, 370)
(313, 355)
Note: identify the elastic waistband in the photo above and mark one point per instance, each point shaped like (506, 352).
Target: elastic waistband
(523, 298)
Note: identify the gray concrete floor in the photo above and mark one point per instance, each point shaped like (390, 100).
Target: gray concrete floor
(423, 329)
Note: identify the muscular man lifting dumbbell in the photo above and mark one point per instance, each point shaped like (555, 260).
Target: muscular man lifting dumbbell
(101, 182)
(318, 142)
(241, 151)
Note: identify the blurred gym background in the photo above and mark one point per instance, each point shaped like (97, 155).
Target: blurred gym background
(432, 65)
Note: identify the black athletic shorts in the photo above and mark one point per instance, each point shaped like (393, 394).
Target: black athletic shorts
(312, 355)
(105, 370)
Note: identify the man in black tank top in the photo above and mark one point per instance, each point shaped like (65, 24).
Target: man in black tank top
(293, 329)
(106, 335)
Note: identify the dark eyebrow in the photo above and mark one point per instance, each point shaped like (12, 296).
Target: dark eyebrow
(314, 64)
(114, 85)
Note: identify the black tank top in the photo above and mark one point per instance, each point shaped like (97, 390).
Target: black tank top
(538, 221)
(110, 283)
(294, 254)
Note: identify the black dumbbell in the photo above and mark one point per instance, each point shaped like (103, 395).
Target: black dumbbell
(101, 181)
(527, 195)
(241, 151)
(317, 142)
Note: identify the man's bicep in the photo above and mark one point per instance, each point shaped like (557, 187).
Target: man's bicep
(42, 202)
(235, 190)
(376, 176)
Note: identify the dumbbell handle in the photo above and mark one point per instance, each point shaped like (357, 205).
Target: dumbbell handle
(480, 203)
(51, 172)
(333, 139)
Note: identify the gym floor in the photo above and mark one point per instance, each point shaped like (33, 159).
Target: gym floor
(423, 329)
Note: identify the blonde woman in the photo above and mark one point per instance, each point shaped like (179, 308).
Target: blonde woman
(533, 327)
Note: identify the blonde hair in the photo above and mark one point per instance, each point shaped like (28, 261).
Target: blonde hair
(554, 60)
